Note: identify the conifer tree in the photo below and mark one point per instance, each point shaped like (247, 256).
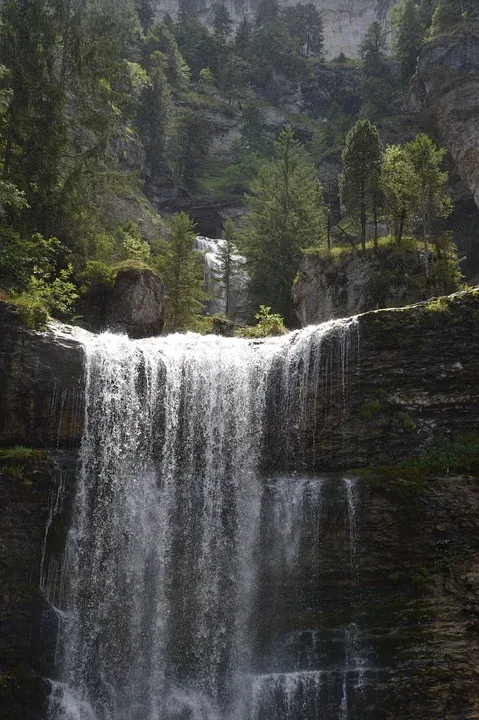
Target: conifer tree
(286, 215)
(360, 179)
(182, 274)
(227, 261)
(430, 201)
(408, 34)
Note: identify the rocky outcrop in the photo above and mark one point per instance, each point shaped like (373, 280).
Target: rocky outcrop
(134, 305)
(333, 287)
(28, 625)
(446, 91)
(345, 21)
(374, 392)
(41, 393)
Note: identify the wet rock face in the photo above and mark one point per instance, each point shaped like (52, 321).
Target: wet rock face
(446, 91)
(418, 567)
(398, 381)
(28, 626)
(41, 392)
(134, 305)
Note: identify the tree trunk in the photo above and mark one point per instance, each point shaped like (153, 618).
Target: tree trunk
(363, 225)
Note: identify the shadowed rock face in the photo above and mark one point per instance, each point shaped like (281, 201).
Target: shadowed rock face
(329, 287)
(446, 91)
(134, 305)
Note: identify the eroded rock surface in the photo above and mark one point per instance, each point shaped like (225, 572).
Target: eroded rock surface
(134, 305)
(446, 91)
(329, 287)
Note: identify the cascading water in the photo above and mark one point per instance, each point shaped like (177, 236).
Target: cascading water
(211, 249)
(181, 553)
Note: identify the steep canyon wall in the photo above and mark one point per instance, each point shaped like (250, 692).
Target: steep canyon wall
(345, 21)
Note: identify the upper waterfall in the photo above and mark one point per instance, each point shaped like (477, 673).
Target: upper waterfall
(166, 550)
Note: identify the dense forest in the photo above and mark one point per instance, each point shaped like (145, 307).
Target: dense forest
(113, 124)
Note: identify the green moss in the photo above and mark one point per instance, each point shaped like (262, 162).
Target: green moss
(31, 311)
(370, 409)
(439, 305)
(411, 477)
(21, 453)
(407, 422)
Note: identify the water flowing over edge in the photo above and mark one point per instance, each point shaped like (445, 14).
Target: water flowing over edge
(173, 423)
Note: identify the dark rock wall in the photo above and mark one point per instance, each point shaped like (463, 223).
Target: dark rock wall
(411, 377)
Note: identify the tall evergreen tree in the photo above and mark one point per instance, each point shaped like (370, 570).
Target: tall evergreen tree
(360, 179)
(227, 261)
(431, 202)
(285, 215)
(304, 23)
(182, 274)
(408, 34)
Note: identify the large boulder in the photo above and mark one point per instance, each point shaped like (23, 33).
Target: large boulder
(134, 305)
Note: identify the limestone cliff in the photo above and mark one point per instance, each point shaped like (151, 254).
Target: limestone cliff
(333, 287)
(446, 91)
(345, 21)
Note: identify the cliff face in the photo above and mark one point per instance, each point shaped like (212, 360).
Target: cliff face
(446, 91)
(410, 376)
(330, 287)
(396, 382)
(345, 21)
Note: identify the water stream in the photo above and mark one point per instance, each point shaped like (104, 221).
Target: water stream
(185, 561)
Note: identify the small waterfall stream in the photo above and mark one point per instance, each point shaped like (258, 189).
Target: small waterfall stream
(186, 565)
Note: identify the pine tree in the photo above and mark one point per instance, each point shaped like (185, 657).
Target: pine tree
(398, 188)
(286, 215)
(222, 24)
(408, 34)
(373, 51)
(360, 179)
(304, 22)
(182, 275)
(430, 199)
(154, 119)
(227, 261)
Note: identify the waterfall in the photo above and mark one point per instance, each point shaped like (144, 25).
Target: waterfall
(211, 247)
(177, 530)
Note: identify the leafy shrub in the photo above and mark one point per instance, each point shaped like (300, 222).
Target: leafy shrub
(268, 325)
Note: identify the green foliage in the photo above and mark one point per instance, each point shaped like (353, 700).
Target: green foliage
(227, 261)
(450, 13)
(430, 201)
(31, 310)
(182, 275)
(95, 273)
(360, 180)
(206, 79)
(461, 455)
(408, 34)
(306, 27)
(189, 146)
(370, 409)
(286, 214)
(268, 325)
(21, 453)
